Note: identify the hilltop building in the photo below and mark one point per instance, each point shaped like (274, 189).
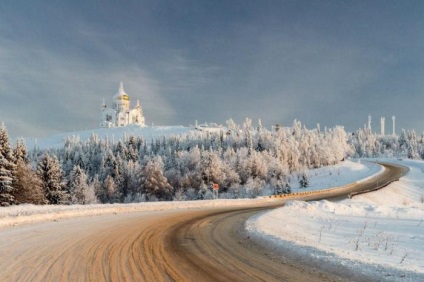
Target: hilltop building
(120, 113)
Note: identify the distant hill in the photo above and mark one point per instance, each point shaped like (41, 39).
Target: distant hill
(117, 133)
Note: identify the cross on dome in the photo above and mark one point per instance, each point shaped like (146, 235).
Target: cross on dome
(121, 88)
(121, 93)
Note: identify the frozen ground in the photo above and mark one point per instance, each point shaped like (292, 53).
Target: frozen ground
(380, 233)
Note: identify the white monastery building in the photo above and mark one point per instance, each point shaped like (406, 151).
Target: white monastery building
(120, 114)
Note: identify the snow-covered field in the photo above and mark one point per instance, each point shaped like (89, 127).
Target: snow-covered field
(338, 175)
(113, 134)
(380, 233)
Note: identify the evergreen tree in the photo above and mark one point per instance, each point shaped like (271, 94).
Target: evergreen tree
(5, 148)
(81, 192)
(132, 178)
(97, 186)
(154, 182)
(111, 166)
(6, 180)
(249, 141)
(7, 169)
(304, 181)
(29, 188)
(110, 192)
(50, 173)
(132, 154)
(7, 152)
(20, 152)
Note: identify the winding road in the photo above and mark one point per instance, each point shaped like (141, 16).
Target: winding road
(173, 245)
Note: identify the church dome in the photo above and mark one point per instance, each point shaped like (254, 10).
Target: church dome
(121, 95)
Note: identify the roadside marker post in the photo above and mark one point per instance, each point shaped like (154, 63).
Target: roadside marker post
(215, 189)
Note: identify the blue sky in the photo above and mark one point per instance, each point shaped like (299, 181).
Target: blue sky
(327, 62)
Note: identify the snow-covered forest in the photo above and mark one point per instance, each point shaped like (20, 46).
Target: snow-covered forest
(245, 161)
(406, 145)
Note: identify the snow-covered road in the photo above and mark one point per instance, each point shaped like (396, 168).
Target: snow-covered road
(19, 215)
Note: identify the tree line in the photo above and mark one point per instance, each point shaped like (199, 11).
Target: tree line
(371, 145)
(244, 160)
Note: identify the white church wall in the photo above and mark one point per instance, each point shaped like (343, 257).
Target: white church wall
(120, 114)
(108, 118)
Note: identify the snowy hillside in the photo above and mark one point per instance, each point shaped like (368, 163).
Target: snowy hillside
(380, 233)
(343, 173)
(117, 133)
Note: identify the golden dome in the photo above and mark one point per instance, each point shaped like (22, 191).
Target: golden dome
(121, 95)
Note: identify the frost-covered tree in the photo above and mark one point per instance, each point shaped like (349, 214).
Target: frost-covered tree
(190, 162)
(81, 192)
(20, 152)
(211, 168)
(109, 193)
(154, 182)
(254, 187)
(304, 180)
(50, 173)
(231, 125)
(6, 180)
(7, 169)
(5, 148)
(132, 179)
(7, 152)
(28, 188)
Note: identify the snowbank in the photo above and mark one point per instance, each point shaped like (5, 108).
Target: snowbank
(380, 234)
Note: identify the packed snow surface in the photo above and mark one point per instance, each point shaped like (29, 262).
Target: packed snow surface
(379, 233)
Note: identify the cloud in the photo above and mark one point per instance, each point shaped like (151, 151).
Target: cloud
(332, 64)
(43, 92)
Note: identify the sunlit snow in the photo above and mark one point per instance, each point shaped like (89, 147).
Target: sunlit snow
(383, 230)
(379, 233)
